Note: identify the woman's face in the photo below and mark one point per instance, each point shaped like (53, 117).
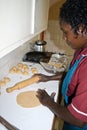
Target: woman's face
(72, 39)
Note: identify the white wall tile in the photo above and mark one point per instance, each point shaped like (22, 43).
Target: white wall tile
(53, 36)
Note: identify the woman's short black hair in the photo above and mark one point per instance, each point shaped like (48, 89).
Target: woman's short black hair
(74, 12)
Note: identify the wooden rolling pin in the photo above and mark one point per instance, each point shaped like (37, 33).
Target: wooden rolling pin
(7, 124)
(23, 84)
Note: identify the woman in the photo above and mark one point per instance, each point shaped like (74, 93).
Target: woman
(73, 23)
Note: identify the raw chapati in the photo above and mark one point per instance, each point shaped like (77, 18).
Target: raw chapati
(27, 99)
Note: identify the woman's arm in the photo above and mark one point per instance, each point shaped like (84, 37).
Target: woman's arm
(45, 78)
(59, 110)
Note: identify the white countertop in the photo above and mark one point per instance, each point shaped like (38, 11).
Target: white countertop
(37, 118)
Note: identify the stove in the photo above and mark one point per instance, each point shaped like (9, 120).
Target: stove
(37, 56)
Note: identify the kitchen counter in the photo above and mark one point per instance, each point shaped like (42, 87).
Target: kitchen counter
(37, 118)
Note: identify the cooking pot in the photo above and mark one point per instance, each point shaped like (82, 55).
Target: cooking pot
(40, 46)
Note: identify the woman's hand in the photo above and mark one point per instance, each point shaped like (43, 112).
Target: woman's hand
(42, 77)
(44, 98)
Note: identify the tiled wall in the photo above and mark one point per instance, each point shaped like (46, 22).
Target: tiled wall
(14, 57)
(53, 36)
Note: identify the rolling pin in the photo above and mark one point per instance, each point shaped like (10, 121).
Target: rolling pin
(23, 84)
(7, 124)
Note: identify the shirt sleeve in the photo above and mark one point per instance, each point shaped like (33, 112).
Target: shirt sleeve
(78, 107)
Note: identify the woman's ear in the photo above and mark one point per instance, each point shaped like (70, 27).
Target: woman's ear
(81, 30)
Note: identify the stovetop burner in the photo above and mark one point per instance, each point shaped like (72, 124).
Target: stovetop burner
(37, 56)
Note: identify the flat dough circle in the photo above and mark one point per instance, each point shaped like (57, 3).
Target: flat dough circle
(28, 99)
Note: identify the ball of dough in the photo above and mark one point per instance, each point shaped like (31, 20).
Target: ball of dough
(6, 79)
(34, 70)
(25, 66)
(2, 83)
(19, 71)
(13, 69)
(25, 73)
(26, 69)
(20, 65)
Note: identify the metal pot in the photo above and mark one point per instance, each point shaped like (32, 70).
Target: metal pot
(40, 46)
